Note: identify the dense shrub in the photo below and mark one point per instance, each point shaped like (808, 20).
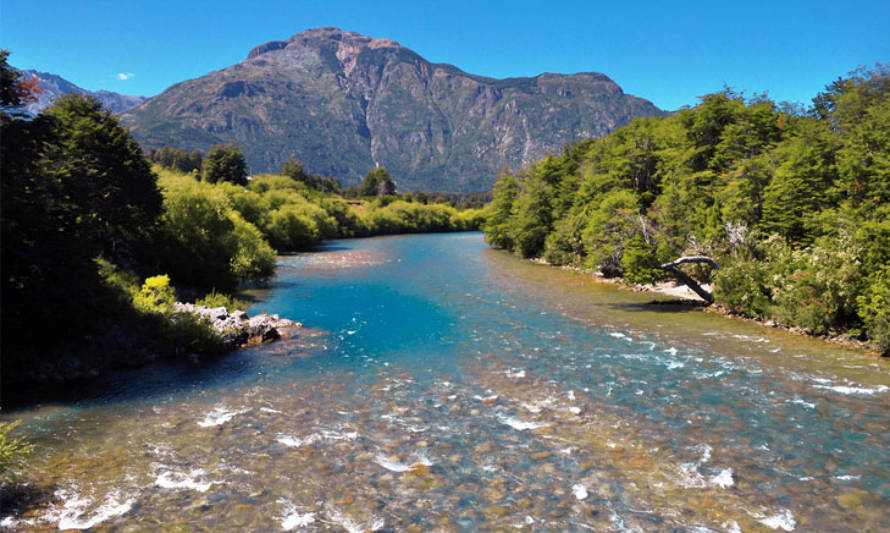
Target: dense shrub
(874, 308)
(817, 286)
(206, 243)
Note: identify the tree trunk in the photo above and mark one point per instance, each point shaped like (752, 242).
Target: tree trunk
(673, 267)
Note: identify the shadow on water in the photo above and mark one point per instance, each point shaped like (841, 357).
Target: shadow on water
(19, 498)
(661, 306)
(166, 378)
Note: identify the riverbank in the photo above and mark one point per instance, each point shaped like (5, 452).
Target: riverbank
(133, 345)
(683, 295)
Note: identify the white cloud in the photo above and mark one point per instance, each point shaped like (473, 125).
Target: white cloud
(124, 76)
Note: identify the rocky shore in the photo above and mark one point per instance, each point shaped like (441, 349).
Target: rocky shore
(132, 346)
(237, 328)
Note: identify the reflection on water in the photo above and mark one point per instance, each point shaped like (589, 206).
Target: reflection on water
(448, 387)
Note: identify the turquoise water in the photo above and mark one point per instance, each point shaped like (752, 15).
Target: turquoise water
(439, 385)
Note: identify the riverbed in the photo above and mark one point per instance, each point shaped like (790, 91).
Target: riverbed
(441, 385)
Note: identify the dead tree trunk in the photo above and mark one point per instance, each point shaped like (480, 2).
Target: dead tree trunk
(673, 268)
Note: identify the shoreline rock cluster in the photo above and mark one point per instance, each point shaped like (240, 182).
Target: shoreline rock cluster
(236, 328)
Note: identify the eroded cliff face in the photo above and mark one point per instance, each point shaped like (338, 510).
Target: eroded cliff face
(341, 102)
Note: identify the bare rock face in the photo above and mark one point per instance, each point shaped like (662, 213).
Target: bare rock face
(341, 102)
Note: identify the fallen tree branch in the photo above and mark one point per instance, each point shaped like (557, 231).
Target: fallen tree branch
(691, 259)
(673, 267)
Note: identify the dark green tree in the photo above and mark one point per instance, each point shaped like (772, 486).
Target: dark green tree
(75, 186)
(293, 169)
(374, 180)
(225, 162)
(497, 223)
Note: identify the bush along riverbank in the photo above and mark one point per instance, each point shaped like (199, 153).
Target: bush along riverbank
(158, 327)
(792, 204)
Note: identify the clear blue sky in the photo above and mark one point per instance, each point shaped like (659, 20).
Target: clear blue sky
(668, 52)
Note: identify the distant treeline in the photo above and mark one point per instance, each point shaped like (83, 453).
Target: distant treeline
(85, 218)
(193, 163)
(793, 204)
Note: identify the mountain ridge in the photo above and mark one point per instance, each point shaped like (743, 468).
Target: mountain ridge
(342, 103)
(53, 86)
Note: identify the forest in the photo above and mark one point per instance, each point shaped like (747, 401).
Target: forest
(99, 237)
(792, 203)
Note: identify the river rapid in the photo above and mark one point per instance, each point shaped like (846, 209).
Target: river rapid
(443, 386)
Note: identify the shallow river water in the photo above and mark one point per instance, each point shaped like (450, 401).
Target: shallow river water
(440, 385)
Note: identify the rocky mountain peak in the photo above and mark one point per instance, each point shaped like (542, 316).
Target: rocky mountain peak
(342, 102)
(342, 43)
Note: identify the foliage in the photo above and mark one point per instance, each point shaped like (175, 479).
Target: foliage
(155, 296)
(189, 333)
(377, 182)
(176, 159)
(293, 169)
(215, 299)
(204, 242)
(638, 262)
(224, 162)
(874, 308)
(795, 206)
(497, 226)
(13, 450)
(14, 91)
(75, 187)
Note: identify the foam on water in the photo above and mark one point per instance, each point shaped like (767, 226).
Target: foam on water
(395, 466)
(579, 491)
(517, 424)
(375, 523)
(74, 512)
(809, 405)
(515, 373)
(293, 518)
(731, 527)
(783, 520)
(193, 480)
(846, 389)
(723, 479)
(323, 435)
(218, 416)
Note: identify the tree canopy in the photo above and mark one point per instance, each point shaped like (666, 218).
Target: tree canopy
(377, 182)
(225, 162)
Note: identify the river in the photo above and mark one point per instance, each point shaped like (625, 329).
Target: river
(441, 385)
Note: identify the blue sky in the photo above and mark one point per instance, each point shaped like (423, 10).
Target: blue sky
(668, 52)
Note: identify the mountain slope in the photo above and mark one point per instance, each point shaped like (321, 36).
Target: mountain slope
(53, 86)
(342, 102)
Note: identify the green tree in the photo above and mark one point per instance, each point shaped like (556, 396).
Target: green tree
(75, 186)
(377, 182)
(531, 217)
(105, 174)
(225, 162)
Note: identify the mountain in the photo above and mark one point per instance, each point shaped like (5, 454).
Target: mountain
(341, 103)
(53, 86)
